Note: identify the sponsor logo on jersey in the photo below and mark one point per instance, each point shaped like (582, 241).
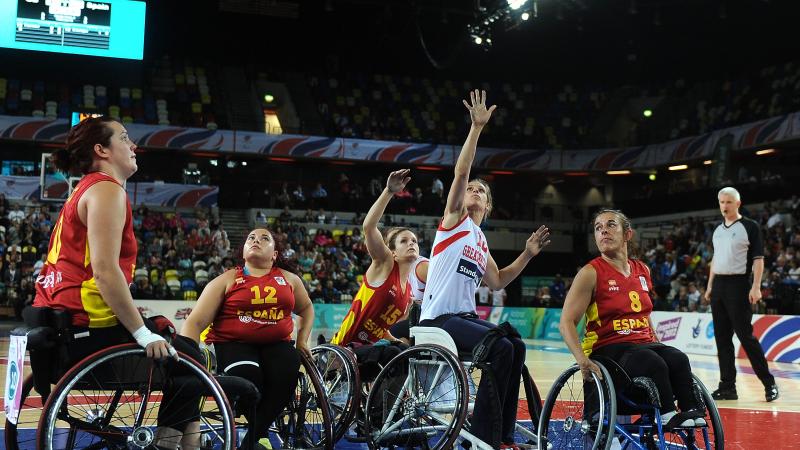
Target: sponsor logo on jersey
(612, 286)
(470, 270)
(239, 280)
(643, 280)
(280, 280)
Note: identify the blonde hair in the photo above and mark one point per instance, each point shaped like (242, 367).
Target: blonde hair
(489, 203)
(391, 236)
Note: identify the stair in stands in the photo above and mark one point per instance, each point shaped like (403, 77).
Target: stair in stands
(237, 224)
(242, 102)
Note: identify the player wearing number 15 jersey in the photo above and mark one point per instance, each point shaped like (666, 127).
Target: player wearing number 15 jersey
(385, 293)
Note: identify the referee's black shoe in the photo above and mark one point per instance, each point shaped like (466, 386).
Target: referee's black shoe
(726, 394)
(772, 393)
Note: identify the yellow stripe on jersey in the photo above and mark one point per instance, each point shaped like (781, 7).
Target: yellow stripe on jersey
(363, 296)
(347, 323)
(52, 255)
(592, 315)
(588, 342)
(87, 259)
(205, 332)
(100, 314)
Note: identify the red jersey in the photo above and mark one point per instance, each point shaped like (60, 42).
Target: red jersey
(66, 280)
(256, 310)
(374, 310)
(620, 308)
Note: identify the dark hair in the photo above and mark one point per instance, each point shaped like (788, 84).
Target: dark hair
(633, 247)
(391, 236)
(77, 156)
(280, 246)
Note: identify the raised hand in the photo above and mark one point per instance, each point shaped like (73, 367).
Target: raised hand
(539, 239)
(398, 180)
(477, 108)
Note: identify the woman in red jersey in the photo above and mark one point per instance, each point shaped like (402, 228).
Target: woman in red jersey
(385, 293)
(613, 291)
(92, 251)
(250, 311)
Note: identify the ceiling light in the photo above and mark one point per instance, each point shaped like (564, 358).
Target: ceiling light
(516, 4)
(678, 167)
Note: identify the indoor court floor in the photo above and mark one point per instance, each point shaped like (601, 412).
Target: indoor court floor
(749, 423)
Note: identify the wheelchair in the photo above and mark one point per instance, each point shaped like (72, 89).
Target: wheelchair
(595, 413)
(113, 398)
(305, 423)
(422, 398)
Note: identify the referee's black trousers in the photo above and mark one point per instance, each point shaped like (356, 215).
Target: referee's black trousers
(730, 309)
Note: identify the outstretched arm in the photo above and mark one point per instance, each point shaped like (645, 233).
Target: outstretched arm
(454, 209)
(377, 249)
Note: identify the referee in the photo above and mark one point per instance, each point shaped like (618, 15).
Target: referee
(738, 251)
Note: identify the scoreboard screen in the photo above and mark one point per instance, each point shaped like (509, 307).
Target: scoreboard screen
(111, 28)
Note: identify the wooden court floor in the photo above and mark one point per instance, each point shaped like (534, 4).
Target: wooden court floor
(750, 423)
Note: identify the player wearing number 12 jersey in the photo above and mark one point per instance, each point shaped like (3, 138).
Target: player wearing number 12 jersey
(249, 309)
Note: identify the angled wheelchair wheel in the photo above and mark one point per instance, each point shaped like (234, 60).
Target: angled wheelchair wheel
(708, 437)
(338, 371)
(116, 398)
(419, 399)
(306, 423)
(578, 413)
(22, 434)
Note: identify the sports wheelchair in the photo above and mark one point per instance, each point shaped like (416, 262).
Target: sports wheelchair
(594, 413)
(113, 398)
(422, 398)
(117, 398)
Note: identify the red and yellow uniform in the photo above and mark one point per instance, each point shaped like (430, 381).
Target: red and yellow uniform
(620, 308)
(256, 310)
(374, 310)
(66, 280)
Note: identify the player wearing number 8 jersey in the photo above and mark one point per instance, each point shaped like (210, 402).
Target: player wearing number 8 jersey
(249, 309)
(385, 293)
(613, 291)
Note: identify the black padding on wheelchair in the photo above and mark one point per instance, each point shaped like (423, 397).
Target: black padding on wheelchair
(640, 390)
(47, 332)
(480, 353)
(372, 358)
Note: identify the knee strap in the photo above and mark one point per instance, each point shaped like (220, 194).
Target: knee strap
(480, 353)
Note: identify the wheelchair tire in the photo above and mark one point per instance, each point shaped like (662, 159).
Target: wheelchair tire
(102, 403)
(338, 371)
(709, 437)
(306, 423)
(426, 387)
(563, 423)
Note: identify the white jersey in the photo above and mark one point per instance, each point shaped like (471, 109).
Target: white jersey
(417, 285)
(458, 262)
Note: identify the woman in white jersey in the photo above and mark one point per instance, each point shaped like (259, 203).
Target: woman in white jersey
(417, 277)
(459, 260)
